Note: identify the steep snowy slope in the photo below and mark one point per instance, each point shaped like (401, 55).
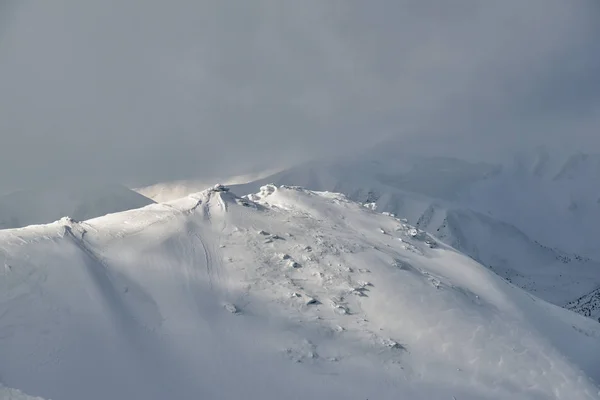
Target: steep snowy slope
(533, 221)
(554, 199)
(588, 305)
(552, 274)
(28, 207)
(285, 294)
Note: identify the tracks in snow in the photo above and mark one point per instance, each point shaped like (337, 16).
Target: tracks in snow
(195, 231)
(198, 241)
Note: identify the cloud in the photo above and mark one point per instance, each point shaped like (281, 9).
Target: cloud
(145, 90)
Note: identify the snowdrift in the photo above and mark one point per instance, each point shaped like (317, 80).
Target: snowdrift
(286, 293)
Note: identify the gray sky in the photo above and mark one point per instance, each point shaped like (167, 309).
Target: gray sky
(145, 90)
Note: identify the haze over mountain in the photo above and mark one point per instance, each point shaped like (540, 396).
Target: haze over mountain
(443, 246)
(150, 91)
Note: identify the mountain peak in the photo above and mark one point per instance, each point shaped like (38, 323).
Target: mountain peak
(183, 298)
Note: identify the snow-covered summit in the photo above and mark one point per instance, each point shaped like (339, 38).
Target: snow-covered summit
(287, 293)
(531, 220)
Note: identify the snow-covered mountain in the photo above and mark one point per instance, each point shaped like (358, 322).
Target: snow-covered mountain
(587, 305)
(288, 293)
(553, 199)
(48, 204)
(532, 220)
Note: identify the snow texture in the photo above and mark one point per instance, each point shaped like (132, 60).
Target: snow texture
(533, 221)
(195, 298)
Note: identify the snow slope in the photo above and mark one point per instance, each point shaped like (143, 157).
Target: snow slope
(285, 294)
(548, 273)
(517, 219)
(554, 199)
(588, 305)
(44, 205)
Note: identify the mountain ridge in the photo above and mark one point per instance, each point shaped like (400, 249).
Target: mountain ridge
(329, 298)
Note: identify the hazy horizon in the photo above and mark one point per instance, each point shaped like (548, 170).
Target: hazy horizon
(145, 91)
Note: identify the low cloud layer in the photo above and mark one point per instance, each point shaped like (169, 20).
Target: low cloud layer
(145, 90)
